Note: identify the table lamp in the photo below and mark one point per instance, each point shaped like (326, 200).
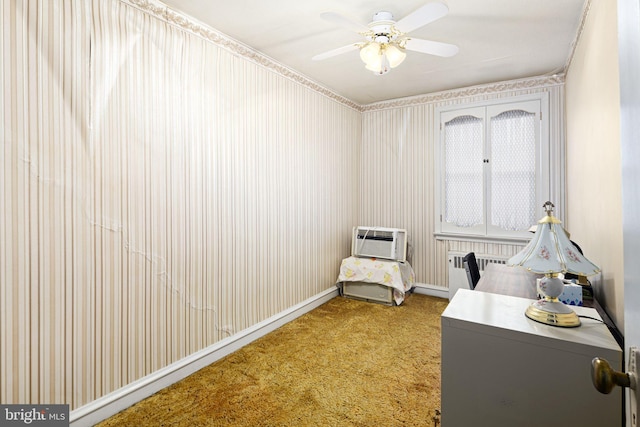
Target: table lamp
(550, 252)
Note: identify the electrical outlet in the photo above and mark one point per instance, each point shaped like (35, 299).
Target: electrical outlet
(634, 392)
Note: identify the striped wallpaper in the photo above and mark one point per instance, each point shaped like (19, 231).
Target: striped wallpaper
(162, 188)
(159, 193)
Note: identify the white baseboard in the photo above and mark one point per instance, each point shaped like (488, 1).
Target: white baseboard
(432, 290)
(106, 406)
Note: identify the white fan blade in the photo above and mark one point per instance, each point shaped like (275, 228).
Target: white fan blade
(345, 22)
(432, 48)
(335, 52)
(422, 16)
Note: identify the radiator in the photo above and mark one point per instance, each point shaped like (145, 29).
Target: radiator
(458, 275)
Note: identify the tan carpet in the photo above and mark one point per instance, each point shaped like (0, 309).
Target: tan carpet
(346, 363)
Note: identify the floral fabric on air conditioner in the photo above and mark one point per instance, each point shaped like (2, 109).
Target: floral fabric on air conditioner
(398, 275)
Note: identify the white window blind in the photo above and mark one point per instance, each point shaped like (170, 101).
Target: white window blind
(513, 139)
(493, 169)
(463, 152)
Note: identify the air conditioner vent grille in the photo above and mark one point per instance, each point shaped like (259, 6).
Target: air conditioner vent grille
(377, 242)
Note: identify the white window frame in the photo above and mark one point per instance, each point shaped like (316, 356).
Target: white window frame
(544, 174)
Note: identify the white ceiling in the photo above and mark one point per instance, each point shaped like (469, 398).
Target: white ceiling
(498, 39)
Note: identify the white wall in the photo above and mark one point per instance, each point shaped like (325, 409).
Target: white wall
(594, 193)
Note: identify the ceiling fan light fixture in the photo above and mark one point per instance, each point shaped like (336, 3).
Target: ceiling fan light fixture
(373, 57)
(370, 53)
(380, 67)
(395, 55)
(380, 58)
(377, 65)
(386, 41)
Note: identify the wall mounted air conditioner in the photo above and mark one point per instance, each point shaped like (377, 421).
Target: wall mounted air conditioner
(379, 242)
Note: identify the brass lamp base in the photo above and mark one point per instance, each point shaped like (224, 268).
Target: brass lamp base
(551, 311)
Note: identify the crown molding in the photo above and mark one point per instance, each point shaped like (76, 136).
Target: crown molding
(163, 12)
(576, 40)
(471, 91)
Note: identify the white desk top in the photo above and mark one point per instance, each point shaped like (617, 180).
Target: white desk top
(504, 315)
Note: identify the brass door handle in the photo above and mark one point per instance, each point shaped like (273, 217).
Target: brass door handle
(605, 378)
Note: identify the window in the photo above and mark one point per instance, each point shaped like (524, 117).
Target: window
(493, 168)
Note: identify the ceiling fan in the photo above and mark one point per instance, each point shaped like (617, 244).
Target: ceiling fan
(387, 40)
